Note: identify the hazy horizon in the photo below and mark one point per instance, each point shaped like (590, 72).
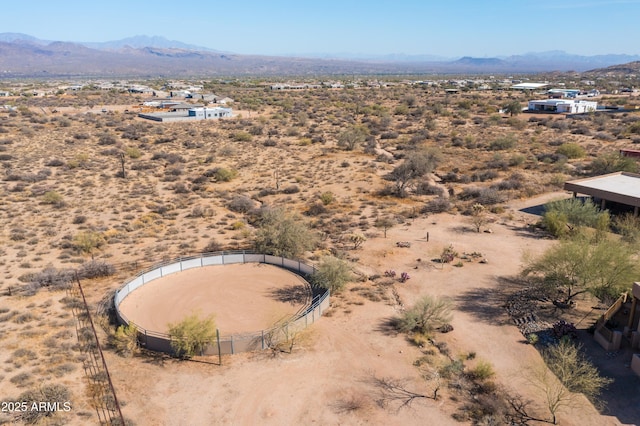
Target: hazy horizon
(347, 28)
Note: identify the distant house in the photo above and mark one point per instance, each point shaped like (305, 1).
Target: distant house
(528, 86)
(208, 113)
(191, 114)
(4, 94)
(563, 93)
(562, 106)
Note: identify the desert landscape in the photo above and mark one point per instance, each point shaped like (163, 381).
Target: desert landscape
(418, 190)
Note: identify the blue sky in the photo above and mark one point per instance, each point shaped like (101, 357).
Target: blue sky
(453, 28)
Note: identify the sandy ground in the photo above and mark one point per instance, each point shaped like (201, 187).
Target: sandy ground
(340, 353)
(242, 297)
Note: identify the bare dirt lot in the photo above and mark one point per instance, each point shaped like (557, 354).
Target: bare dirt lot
(343, 351)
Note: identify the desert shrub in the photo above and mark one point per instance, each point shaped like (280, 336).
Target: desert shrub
(181, 188)
(507, 185)
(222, 174)
(53, 278)
(482, 371)
(573, 211)
(571, 150)
(88, 241)
(57, 396)
(332, 273)
(190, 336)
(54, 163)
(242, 136)
(54, 198)
(425, 188)
(241, 204)
(352, 137)
(282, 234)
(604, 136)
(628, 226)
(213, 246)
(125, 340)
(107, 139)
(96, 269)
(613, 162)
(133, 152)
(502, 143)
(293, 189)
(327, 198)
(437, 205)
(169, 157)
(389, 135)
(484, 176)
(316, 209)
(426, 315)
(549, 158)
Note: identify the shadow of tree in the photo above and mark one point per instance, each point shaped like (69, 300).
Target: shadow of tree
(294, 294)
(388, 326)
(488, 304)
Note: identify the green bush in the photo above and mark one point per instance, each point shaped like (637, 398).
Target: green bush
(561, 214)
(332, 273)
(190, 336)
(242, 137)
(225, 175)
(505, 142)
(571, 150)
(426, 315)
(54, 198)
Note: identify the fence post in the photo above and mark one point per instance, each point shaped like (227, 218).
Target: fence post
(232, 351)
(218, 340)
(262, 332)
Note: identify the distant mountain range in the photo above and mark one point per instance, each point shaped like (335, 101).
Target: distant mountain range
(22, 55)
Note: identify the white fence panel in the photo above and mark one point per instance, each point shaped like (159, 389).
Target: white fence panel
(273, 260)
(306, 269)
(152, 275)
(233, 258)
(250, 257)
(135, 283)
(212, 260)
(291, 264)
(171, 269)
(191, 263)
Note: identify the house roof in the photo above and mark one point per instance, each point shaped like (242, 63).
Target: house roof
(529, 86)
(620, 187)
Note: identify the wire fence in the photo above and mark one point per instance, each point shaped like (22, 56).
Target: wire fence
(230, 344)
(100, 387)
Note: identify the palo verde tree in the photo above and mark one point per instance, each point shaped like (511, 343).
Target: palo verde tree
(603, 267)
(332, 273)
(190, 336)
(574, 374)
(513, 108)
(352, 137)
(417, 164)
(282, 234)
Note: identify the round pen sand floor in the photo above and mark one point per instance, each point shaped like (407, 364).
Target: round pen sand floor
(242, 297)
